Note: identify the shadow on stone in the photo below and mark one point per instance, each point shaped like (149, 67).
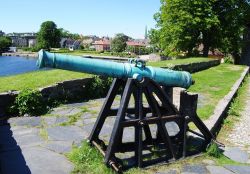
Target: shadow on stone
(11, 157)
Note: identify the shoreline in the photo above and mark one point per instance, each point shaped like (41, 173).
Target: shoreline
(21, 54)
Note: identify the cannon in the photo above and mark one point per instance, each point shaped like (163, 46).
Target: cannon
(151, 114)
(133, 69)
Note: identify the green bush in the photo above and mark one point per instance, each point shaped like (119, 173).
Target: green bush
(213, 150)
(228, 60)
(30, 102)
(98, 87)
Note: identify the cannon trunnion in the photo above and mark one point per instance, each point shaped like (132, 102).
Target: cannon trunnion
(145, 107)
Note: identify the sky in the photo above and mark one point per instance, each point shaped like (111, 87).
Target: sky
(86, 17)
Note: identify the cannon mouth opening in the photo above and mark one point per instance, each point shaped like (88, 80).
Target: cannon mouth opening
(40, 61)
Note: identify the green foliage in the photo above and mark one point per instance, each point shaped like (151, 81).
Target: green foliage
(98, 87)
(119, 44)
(5, 43)
(213, 150)
(228, 60)
(139, 50)
(87, 160)
(32, 49)
(30, 102)
(48, 36)
(183, 25)
(66, 34)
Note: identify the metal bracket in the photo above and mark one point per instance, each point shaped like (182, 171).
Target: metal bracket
(138, 62)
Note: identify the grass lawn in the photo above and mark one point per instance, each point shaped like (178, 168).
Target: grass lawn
(168, 63)
(82, 52)
(37, 79)
(212, 85)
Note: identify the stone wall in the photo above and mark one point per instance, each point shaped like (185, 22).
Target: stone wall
(72, 90)
(195, 67)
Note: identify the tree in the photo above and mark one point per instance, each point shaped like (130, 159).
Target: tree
(245, 57)
(183, 25)
(48, 36)
(232, 16)
(119, 44)
(5, 43)
(67, 34)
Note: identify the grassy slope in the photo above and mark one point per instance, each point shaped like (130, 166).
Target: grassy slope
(82, 52)
(213, 84)
(166, 63)
(37, 79)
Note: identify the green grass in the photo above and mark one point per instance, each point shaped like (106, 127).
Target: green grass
(213, 84)
(169, 63)
(82, 52)
(36, 79)
(87, 160)
(238, 103)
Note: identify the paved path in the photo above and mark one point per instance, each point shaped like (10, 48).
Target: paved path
(38, 145)
(240, 135)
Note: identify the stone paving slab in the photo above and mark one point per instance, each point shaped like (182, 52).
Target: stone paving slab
(66, 133)
(58, 146)
(168, 172)
(65, 111)
(218, 170)
(27, 137)
(238, 169)
(195, 169)
(236, 154)
(25, 121)
(44, 161)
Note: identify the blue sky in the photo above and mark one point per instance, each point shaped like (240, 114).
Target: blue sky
(99, 17)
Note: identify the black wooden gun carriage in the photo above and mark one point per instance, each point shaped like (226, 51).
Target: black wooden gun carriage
(150, 115)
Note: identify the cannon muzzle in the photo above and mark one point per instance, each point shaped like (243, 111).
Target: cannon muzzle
(135, 69)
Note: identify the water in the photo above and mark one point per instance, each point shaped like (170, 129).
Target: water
(12, 65)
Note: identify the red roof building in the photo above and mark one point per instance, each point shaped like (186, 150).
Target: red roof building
(102, 45)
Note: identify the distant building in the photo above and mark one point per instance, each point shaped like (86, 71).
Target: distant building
(19, 42)
(22, 39)
(89, 40)
(102, 45)
(71, 44)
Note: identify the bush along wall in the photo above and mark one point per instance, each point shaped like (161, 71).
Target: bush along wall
(37, 102)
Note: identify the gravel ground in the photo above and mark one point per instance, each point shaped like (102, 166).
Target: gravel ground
(240, 135)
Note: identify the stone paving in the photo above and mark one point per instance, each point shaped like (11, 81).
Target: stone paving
(38, 145)
(240, 135)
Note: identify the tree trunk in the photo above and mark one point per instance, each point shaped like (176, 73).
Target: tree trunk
(206, 44)
(245, 57)
(236, 57)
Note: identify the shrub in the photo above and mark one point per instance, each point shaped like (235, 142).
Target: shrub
(213, 150)
(98, 87)
(228, 60)
(30, 102)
